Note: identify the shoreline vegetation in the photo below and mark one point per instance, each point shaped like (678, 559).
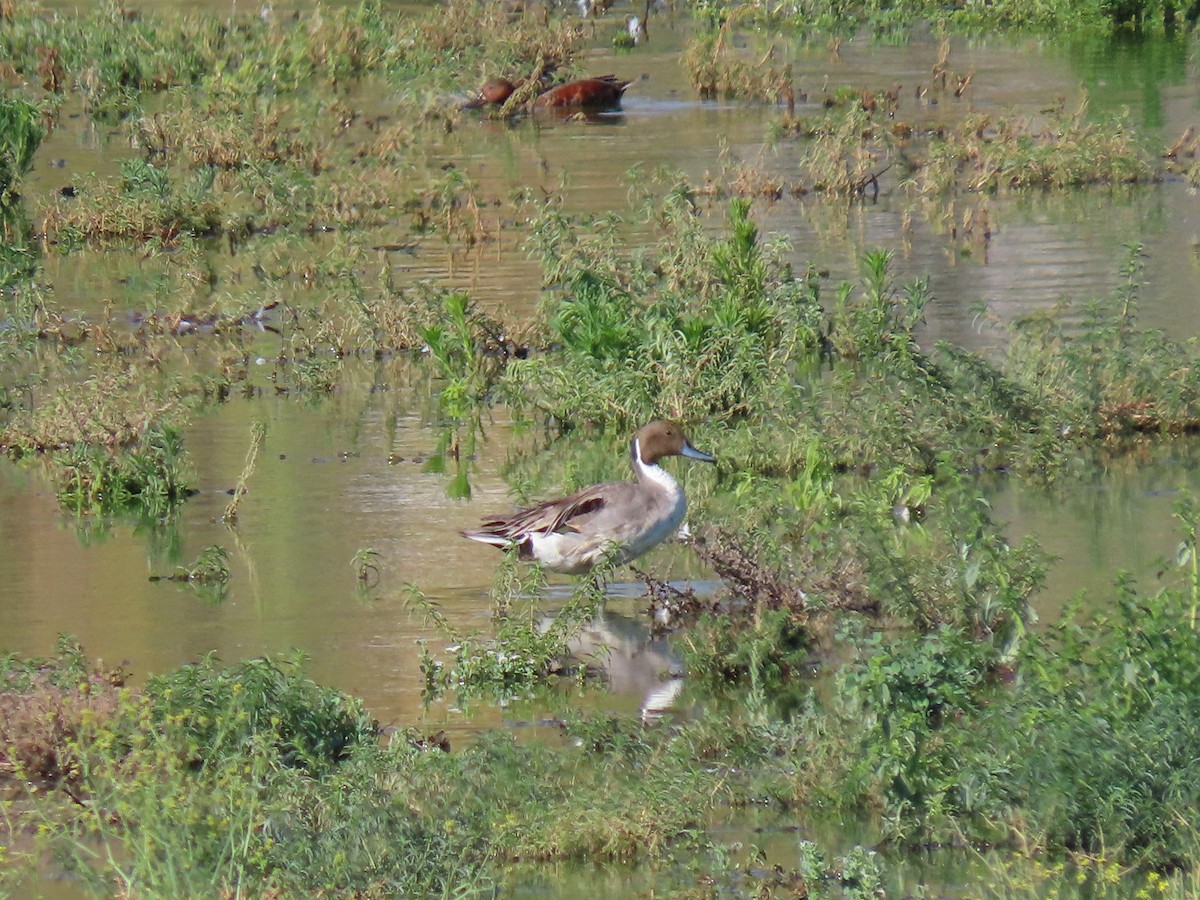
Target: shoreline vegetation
(872, 655)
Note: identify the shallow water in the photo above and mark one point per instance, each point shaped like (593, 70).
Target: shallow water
(353, 471)
(339, 475)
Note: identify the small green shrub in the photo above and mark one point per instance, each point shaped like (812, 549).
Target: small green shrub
(150, 477)
(210, 711)
(906, 692)
(707, 330)
(1101, 758)
(21, 134)
(527, 650)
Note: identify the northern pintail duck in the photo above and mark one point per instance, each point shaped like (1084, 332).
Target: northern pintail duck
(621, 518)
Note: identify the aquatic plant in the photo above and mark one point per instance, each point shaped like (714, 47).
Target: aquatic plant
(227, 132)
(717, 70)
(847, 488)
(905, 690)
(112, 442)
(258, 436)
(528, 648)
(985, 153)
(147, 205)
(149, 478)
(845, 153)
(898, 21)
(239, 772)
(21, 133)
(1106, 376)
(216, 709)
(458, 353)
(210, 567)
(365, 564)
(699, 330)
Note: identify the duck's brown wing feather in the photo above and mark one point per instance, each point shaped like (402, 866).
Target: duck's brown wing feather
(562, 515)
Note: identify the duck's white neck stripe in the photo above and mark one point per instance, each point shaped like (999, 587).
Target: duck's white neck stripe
(651, 471)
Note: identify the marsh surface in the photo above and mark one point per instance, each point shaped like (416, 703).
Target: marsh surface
(364, 467)
(352, 471)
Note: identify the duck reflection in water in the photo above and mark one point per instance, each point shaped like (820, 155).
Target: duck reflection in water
(635, 662)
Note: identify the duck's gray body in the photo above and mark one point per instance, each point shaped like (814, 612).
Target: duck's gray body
(620, 519)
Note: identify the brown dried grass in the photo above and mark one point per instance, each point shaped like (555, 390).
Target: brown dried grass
(40, 721)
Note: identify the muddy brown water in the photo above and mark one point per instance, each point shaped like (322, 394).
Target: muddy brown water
(351, 472)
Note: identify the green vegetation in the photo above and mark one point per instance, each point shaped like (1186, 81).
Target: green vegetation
(22, 133)
(255, 776)
(702, 328)
(110, 442)
(897, 20)
(365, 564)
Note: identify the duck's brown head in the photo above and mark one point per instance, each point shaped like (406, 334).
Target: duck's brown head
(493, 93)
(662, 438)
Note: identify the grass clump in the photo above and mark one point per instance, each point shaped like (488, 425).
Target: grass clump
(111, 442)
(147, 206)
(150, 477)
(717, 329)
(229, 132)
(982, 153)
(1086, 750)
(1105, 375)
(848, 150)
(704, 329)
(112, 409)
(717, 70)
(21, 133)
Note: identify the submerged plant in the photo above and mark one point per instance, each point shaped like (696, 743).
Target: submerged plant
(365, 564)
